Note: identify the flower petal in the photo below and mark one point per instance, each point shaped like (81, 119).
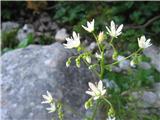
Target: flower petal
(113, 27)
(90, 93)
(93, 87)
(119, 28)
(100, 85)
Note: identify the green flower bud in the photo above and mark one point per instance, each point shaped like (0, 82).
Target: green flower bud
(68, 62)
(111, 112)
(88, 59)
(78, 64)
(115, 55)
(88, 103)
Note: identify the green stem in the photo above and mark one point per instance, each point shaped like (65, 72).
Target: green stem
(107, 102)
(111, 40)
(102, 66)
(94, 112)
(125, 57)
(92, 69)
(99, 47)
(113, 47)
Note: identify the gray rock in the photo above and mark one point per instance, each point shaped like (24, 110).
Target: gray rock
(8, 26)
(123, 64)
(153, 53)
(45, 23)
(157, 88)
(145, 65)
(25, 31)
(146, 99)
(92, 46)
(149, 97)
(61, 35)
(28, 73)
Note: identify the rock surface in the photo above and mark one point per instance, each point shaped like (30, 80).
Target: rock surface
(61, 35)
(148, 101)
(153, 53)
(28, 73)
(8, 26)
(145, 65)
(25, 31)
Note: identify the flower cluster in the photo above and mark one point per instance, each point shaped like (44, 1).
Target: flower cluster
(97, 91)
(114, 31)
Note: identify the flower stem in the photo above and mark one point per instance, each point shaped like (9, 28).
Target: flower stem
(107, 102)
(92, 69)
(125, 57)
(102, 66)
(111, 40)
(94, 112)
(99, 47)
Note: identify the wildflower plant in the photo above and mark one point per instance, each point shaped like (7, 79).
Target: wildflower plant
(98, 91)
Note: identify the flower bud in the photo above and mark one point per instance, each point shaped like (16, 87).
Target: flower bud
(101, 37)
(88, 59)
(78, 64)
(68, 62)
(115, 55)
(133, 64)
(88, 104)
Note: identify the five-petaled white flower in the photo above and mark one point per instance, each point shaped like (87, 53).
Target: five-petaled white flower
(90, 26)
(111, 118)
(114, 31)
(52, 108)
(143, 43)
(96, 91)
(73, 42)
(48, 98)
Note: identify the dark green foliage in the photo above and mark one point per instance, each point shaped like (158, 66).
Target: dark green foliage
(131, 14)
(11, 9)
(8, 40)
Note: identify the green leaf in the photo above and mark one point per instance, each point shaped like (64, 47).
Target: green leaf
(24, 43)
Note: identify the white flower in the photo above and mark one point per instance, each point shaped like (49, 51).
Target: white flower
(143, 43)
(48, 98)
(114, 31)
(52, 108)
(98, 56)
(110, 118)
(73, 42)
(88, 59)
(96, 91)
(101, 37)
(90, 26)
